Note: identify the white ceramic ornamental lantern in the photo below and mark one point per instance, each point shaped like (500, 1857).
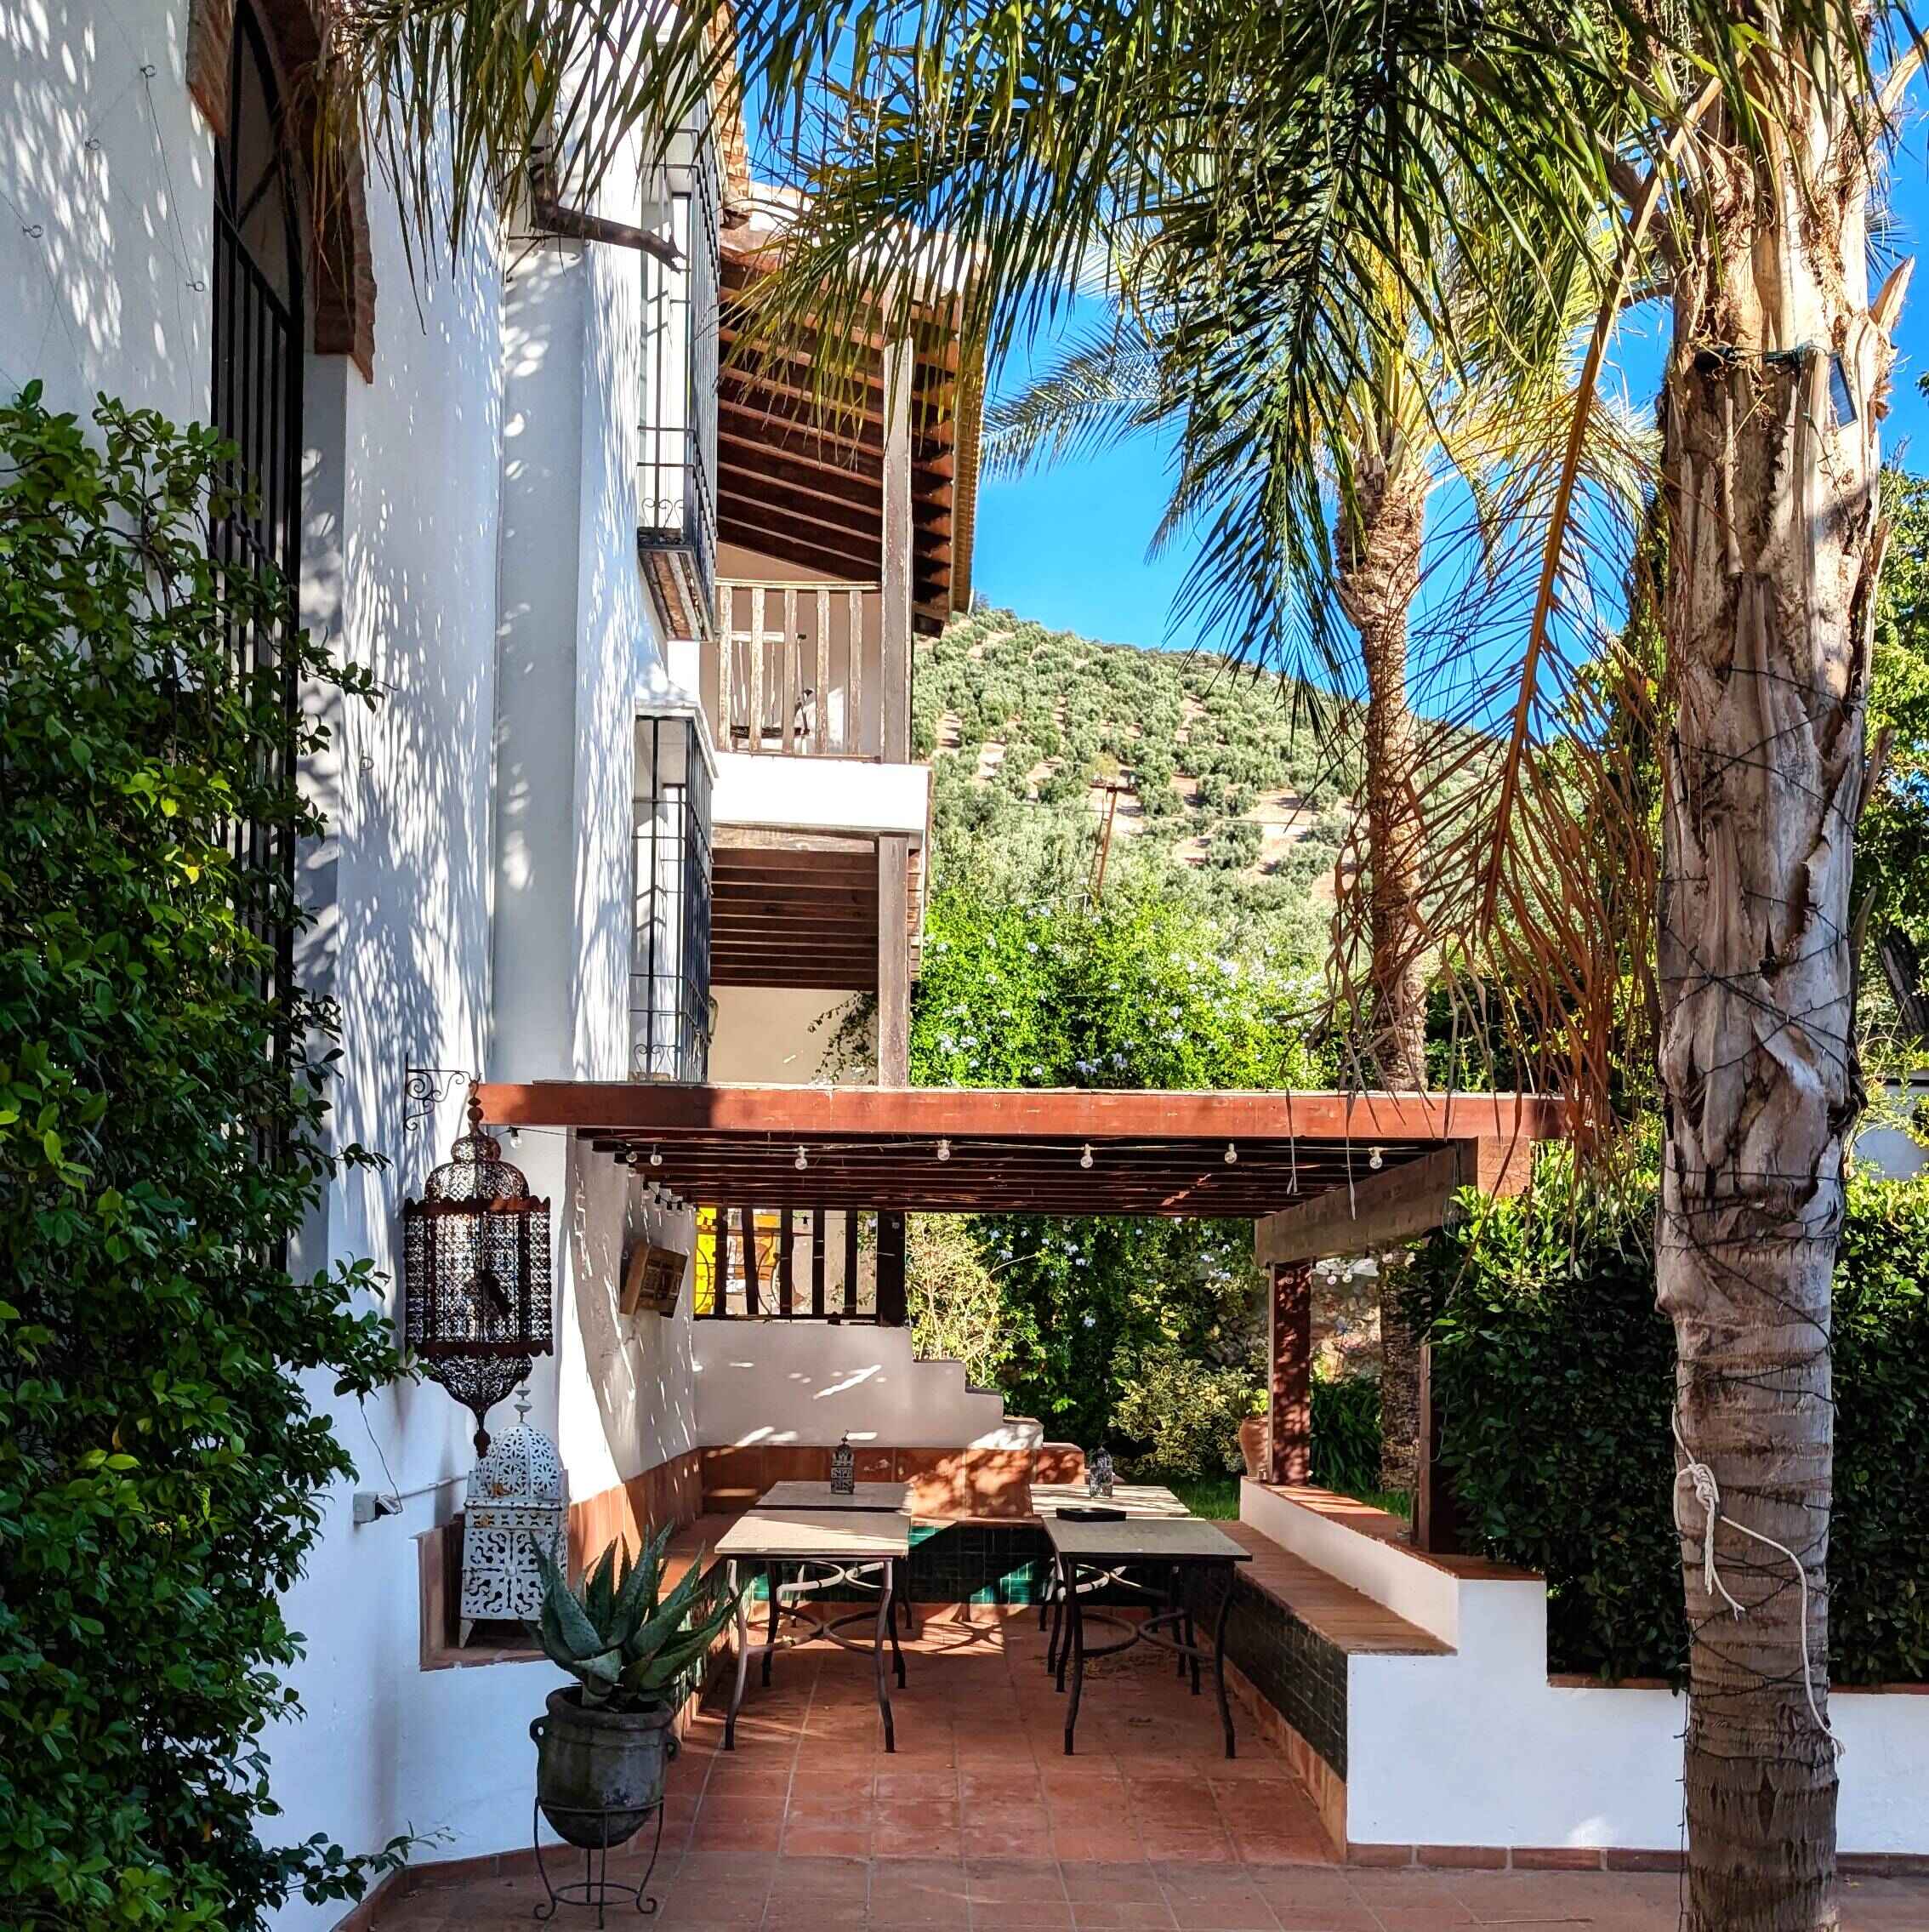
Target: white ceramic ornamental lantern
(518, 1503)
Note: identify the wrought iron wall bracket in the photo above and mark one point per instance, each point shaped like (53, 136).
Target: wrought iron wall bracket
(424, 1089)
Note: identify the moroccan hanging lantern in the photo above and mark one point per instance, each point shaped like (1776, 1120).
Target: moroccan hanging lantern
(475, 1274)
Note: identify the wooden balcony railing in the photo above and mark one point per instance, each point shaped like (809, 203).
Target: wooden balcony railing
(800, 1264)
(799, 668)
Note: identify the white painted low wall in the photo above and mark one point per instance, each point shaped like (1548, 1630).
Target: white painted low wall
(1478, 1748)
(810, 1383)
(820, 794)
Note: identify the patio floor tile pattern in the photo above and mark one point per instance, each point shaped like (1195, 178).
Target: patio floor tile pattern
(980, 1823)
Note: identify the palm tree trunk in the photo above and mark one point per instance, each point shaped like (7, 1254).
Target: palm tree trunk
(1774, 549)
(1379, 574)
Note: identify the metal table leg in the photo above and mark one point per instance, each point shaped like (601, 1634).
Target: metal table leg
(1055, 1603)
(742, 1662)
(886, 1622)
(892, 1584)
(1077, 1647)
(1066, 1609)
(1219, 1662)
(770, 1640)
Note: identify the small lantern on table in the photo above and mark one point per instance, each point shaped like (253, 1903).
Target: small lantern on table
(843, 1469)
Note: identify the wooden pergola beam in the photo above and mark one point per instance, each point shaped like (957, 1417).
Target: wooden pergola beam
(1396, 1204)
(795, 1113)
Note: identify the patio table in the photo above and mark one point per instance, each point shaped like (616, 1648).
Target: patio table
(1091, 1555)
(1135, 1499)
(818, 1496)
(838, 1542)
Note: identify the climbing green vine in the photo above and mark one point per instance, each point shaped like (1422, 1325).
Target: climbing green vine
(160, 1461)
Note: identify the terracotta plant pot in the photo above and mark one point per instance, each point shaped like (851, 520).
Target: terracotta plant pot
(1252, 1444)
(600, 1773)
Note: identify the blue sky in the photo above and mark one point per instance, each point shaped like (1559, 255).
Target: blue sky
(1067, 546)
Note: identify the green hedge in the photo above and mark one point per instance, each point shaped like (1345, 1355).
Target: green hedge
(1555, 1371)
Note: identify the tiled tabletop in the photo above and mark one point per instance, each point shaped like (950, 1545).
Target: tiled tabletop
(792, 1535)
(820, 1497)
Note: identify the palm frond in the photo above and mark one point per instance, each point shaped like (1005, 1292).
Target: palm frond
(1103, 386)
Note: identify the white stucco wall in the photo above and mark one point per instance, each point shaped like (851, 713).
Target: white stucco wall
(831, 794)
(469, 536)
(399, 536)
(1478, 1748)
(813, 1383)
(105, 295)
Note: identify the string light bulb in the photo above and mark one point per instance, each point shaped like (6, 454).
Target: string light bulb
(656, 1157)
(944, 1150)
(1376, 1160)
(1231, 1154)
(1086, 1159)
(803, 1159)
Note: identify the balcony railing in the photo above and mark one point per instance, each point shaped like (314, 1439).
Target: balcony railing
(800, 1264)
(797, 668)
(677, 513)
(669, 966)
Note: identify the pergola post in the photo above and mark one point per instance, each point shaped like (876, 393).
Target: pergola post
(1289, 1437)
(894, 961)
(895, 591)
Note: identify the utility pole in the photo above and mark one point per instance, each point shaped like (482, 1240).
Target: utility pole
(1095, 891)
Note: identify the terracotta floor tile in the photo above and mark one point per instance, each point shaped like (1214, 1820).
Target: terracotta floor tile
(916, 1841)
(1205, 1845)
(1014, 1876)
(1304, 1847)
(826, 1841)
(822, 1875)
(1125, 1915)
(816, 1915)
(1026, 1837)
(1222, 1912)
(980, 1823)
(1097, 1844)
(1316, 1901)
(1023, 1915)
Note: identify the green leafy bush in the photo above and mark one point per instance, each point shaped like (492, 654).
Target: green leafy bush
(1185, 1412)
(160, 1462)
(1556, 1373)
(1346, 1433)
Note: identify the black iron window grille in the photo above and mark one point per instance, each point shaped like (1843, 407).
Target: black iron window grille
(677, 515)
(259, 339)
(669, 976)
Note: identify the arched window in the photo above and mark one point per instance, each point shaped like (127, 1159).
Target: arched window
(260, 338)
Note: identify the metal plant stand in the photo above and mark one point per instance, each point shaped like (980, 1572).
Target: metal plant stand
(595, 1887)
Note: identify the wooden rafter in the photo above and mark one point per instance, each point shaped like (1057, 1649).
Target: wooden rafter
(1151, 1153)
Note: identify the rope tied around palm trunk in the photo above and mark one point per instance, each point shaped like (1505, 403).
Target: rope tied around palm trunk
(1700, 1478)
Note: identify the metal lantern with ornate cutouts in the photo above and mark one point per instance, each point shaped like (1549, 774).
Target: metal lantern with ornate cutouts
(517, 1504)
(475, 1274)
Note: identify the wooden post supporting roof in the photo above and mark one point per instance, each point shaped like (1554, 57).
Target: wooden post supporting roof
(1290, 1387)
(894, 563)
(894, 961)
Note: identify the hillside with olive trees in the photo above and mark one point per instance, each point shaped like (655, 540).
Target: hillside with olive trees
(1218, 796)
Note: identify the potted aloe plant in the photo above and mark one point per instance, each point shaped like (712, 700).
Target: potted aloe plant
(603, 1749)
